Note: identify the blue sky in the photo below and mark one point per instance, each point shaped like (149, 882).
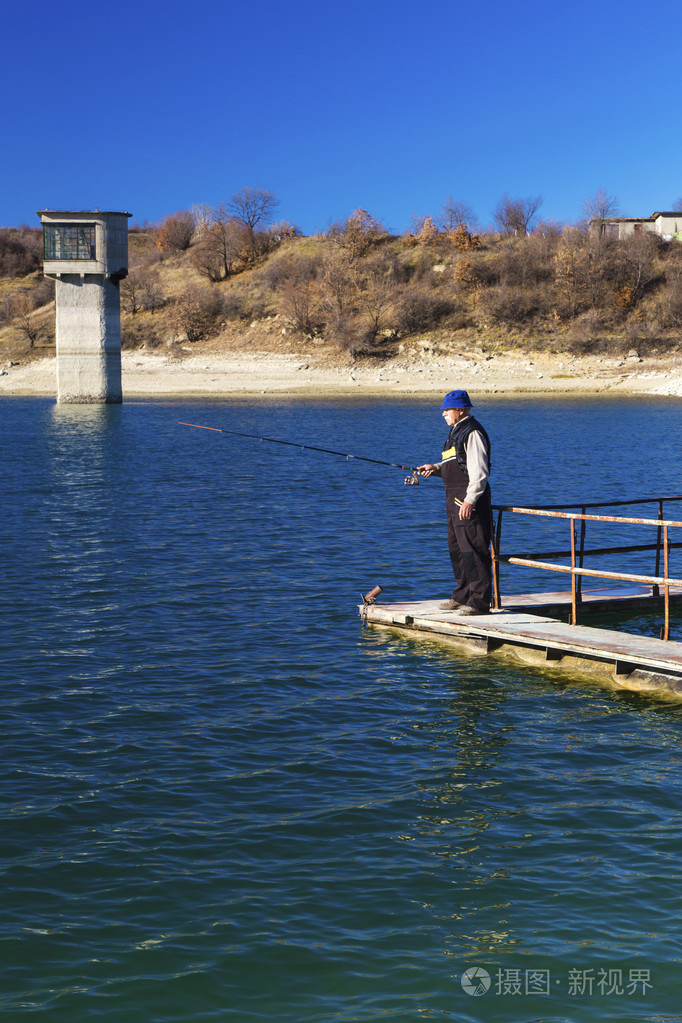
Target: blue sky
(152, 107)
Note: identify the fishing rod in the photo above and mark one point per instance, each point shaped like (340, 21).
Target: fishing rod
(411, 481)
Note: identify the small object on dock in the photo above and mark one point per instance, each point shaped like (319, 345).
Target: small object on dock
(370, 598)
(367, 600)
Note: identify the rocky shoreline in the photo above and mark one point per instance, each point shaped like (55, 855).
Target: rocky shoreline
(189, 372)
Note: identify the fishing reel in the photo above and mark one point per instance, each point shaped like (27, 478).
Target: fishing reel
(413, 480)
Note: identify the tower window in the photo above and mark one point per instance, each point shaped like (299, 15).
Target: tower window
(70, 241)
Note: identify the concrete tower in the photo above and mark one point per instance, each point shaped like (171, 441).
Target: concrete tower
(86, 252)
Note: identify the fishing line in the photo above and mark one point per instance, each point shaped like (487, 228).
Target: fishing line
(412, 480)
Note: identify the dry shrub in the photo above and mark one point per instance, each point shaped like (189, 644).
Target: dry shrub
(21, 251)
(377, 292)
(624, 298)
(142, 290)
(299, 306)
(23, 300)
(244, 305)
(282, 270)
(415, 265)
(526, 261)
(176, 232)
(463, 240)
(235, 306)
(347, 331)
(429, 232)
(196, 313)
(510, 306)
(666, 307)
(143, 249)
(586, 327)
(139, 332)
(420, 309)
(358, 234)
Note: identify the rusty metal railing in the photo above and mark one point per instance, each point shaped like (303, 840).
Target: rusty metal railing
(578, 552)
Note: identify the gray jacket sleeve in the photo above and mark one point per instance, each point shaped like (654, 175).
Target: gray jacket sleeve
(477, 466)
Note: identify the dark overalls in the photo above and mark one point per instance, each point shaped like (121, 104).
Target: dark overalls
(468, 539)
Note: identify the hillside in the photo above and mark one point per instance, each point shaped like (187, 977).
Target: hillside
(358, 299)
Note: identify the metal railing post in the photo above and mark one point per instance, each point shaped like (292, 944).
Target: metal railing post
(666, 589)
(583, 530)
(496, 535)
(574, 586)
(654, 589)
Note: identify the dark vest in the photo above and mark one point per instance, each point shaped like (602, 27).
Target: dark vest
(453, 469)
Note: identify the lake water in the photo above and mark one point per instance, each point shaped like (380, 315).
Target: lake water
(222, 799)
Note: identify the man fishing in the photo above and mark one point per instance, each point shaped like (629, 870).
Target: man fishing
(464, 469)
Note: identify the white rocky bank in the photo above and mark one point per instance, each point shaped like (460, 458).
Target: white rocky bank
(255, 372)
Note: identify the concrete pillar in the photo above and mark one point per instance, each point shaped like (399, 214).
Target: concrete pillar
(86, 252)
(88, 340)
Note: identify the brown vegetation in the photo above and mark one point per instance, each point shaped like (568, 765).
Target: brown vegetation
(361, 290)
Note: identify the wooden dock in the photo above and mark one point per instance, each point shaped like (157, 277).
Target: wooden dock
(524, 630)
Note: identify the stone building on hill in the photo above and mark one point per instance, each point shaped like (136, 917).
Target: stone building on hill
(665, 225)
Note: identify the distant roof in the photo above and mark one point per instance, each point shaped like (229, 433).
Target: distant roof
(637, 220)
(621, 220)
(90, 213)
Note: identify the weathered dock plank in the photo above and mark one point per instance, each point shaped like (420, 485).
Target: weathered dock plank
(630, 661)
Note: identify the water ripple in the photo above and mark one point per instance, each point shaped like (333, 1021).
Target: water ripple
(222, 799)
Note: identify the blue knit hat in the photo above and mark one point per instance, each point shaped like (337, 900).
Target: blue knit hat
(456, 399)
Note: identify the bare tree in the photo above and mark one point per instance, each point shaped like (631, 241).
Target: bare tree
(141, 290)
(417, 221)
(676, 206)
(338, 284)
(20, 308)
(587, 270)
(204, 218)
(28, 327)
(151, 290)
(378, 292)
(224, 248)
(297, 276)
(298, 305)
(639, 255)
(454, 213)
(599, 207)
(252, 207)
(131, 290)
(570, 263)
(515, 216)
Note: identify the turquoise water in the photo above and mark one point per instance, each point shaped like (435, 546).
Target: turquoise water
(223, 799)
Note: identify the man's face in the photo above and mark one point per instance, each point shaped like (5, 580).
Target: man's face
(453, 415)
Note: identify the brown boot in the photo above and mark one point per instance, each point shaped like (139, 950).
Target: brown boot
(450, 605)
